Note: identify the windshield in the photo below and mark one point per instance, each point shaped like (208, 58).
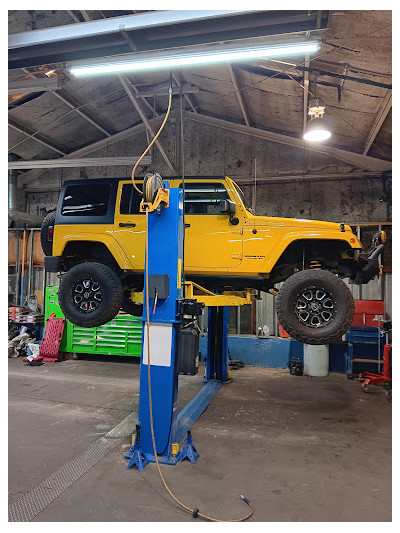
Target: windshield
(246, 203)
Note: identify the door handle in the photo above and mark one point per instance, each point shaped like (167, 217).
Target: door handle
(127, 225)
(187, 225)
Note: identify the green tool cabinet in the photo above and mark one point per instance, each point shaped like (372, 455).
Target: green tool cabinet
(121, 336)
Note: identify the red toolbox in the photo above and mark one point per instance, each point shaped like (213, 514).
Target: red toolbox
(369, 313)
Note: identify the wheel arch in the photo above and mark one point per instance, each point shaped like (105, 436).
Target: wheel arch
(291, 251)
(86, 248)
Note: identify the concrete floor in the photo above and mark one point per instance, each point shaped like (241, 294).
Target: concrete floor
(300, 449)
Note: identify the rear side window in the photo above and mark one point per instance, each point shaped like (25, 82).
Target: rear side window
(130, 200)
(86, 200)
(204, 198)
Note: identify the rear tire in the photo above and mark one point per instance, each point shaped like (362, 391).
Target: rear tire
(90, 294)
(47, 245)
(315, 307)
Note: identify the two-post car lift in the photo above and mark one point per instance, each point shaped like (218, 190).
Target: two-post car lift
(170, 309)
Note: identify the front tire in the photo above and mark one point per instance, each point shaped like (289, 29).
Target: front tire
(90, 294)
(315, 307)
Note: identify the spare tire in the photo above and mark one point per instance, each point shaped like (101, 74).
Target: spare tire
(46, 233)
(315, 307)
(90, 294)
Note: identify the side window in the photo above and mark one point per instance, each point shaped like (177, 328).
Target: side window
(204, 198)
(130, 200)
(85, 200)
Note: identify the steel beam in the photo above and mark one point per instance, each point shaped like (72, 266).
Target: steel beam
(358, 160)
(162, 89)
(33, 135)
(34, 86)
(186, 96)
(136, 105)
(379, 120)
(114, 25)
(134, 48)
(67, 101)
(78, 163)
(299, 177)
(31, 175)
(238, 94)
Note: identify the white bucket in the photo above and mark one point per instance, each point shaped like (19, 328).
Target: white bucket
(316, 360)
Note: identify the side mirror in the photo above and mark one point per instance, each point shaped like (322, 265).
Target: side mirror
(229, 207)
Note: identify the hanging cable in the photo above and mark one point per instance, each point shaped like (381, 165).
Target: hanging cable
(195, 512)
(153, 141)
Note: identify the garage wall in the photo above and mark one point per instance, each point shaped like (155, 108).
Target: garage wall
(212, 151)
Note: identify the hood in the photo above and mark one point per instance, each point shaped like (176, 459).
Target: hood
(305, 224)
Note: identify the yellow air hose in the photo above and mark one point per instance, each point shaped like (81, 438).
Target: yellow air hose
(152, 142)
(194, 512)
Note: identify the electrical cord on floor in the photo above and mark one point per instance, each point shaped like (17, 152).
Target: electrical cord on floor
(195, 512)
(152, 142)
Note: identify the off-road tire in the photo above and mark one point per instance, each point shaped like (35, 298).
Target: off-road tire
(48, 221)
(322, 280)
(111, 294)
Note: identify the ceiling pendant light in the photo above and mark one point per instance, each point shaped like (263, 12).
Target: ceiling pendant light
(317, 128)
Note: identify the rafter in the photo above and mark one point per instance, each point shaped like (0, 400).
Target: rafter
(357, 160)
(238, 94)
(31, 175)
(136, 105)
(380, 117)
(30, 134)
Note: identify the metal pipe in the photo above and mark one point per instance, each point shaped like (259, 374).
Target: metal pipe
(12, 183)
(21, 298)
(17, 267)
(80, 163)
(30, 263)
(22, 229)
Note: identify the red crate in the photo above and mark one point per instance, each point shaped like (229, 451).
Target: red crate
(369, 313)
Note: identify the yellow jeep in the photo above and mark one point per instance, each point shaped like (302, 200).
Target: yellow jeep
(97, 238)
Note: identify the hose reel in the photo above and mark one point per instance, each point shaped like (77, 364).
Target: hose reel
(155, 196)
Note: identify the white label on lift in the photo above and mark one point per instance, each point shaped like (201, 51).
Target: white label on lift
(160, 344)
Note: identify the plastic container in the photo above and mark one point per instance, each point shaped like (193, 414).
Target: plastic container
(316, 360)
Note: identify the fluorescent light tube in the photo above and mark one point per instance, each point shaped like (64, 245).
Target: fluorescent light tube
(195, 58)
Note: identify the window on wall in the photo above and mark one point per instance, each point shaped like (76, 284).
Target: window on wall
(204, 198)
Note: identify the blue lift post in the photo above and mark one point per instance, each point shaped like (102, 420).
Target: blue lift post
(165, 236)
